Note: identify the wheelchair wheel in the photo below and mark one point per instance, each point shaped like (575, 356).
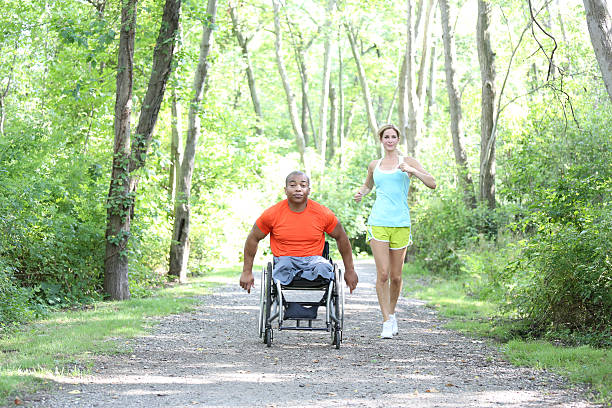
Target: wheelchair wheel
(261, 328)
(268, 304)
(339, 292)
(268, 337)
(337, 338)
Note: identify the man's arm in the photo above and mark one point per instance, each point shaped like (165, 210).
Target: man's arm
(247, 281)
(344, 246)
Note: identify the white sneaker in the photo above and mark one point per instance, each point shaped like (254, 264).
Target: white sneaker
(387, 331)
(394, 320)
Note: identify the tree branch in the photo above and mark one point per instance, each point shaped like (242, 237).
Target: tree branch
(552, 53)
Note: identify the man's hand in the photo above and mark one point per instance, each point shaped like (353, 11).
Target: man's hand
(247, 280)
(351, 279)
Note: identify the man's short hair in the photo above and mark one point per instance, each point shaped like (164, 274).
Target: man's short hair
(296, 173)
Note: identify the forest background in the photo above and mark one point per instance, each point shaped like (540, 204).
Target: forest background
(503, 101)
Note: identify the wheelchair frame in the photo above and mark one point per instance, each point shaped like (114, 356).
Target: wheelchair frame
(272, 303)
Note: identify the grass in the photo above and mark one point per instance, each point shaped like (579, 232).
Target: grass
(476, 317)
(65, 342)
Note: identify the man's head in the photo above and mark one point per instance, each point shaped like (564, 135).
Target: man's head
(297, 187)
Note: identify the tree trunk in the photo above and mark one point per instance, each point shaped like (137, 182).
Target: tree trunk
(411, 98)
(331, 4)
(249, 69)
(175, 145)
(2, 115)
(364, 83)
(431, 87)
(3, 94)
(454, 102)
(293, 112)
(119, 202)
(351, 115)
(426, 52)
(600, 29)
(561, 23)
(305, 114)
(340, 107)
(333, 122)
(402, 99)
(487, 74)
(179, 247)
(162, 61)
(129, 155)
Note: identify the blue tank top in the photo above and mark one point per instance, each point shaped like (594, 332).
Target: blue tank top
(391, 206)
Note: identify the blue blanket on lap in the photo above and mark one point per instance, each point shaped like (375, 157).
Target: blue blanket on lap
(286, 267)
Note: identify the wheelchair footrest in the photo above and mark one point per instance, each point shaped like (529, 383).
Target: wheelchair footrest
(300, 310)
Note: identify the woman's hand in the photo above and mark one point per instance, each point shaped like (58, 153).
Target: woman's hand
(406, 168)
(358, 196)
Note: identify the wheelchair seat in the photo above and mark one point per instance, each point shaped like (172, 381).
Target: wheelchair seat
(300, 283)
(275, 308)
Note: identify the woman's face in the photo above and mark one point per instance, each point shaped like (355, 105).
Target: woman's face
(389, 139)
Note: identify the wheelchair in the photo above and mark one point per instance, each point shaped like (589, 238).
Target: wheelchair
(300, 315)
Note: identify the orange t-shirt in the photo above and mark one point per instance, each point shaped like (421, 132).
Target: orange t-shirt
(297, 234)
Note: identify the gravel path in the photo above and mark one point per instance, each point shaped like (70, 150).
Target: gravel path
(213, 357)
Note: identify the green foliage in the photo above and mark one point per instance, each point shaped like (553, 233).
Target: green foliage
(562, 193)
(484, 264)
(442, 225)
(564, 280)
(15, 304)
(51, 221)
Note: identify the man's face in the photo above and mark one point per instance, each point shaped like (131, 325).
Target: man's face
(297, 189)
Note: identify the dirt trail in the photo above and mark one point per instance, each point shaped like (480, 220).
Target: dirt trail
(213, 357)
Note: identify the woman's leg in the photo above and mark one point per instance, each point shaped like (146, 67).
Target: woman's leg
(380, 250)
(396, 263)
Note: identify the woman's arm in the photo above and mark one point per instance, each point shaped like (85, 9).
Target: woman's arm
(367, 185)
(414, 168)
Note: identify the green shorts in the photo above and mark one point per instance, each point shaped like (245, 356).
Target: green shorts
(397, 237)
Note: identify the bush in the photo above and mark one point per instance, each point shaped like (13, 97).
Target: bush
(484, 263)
(14, 300)
(441, 226)
(564, 280)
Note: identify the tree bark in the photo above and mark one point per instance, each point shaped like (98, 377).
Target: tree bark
(4, 93)
(176, 142)
(162, 65)
(340, 106)
(300, 49)
(411, 91)
(242, 42)
(333, 122)
(454, 102)
(331, 4)
(600, 30)
(487, 78)
(179, 247)
(293, 112)
(430, 94)
(364, 82)
(175, 145)
(129, 155)
(119, 202)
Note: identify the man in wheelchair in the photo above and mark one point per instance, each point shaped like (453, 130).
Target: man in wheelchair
(297, 228)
